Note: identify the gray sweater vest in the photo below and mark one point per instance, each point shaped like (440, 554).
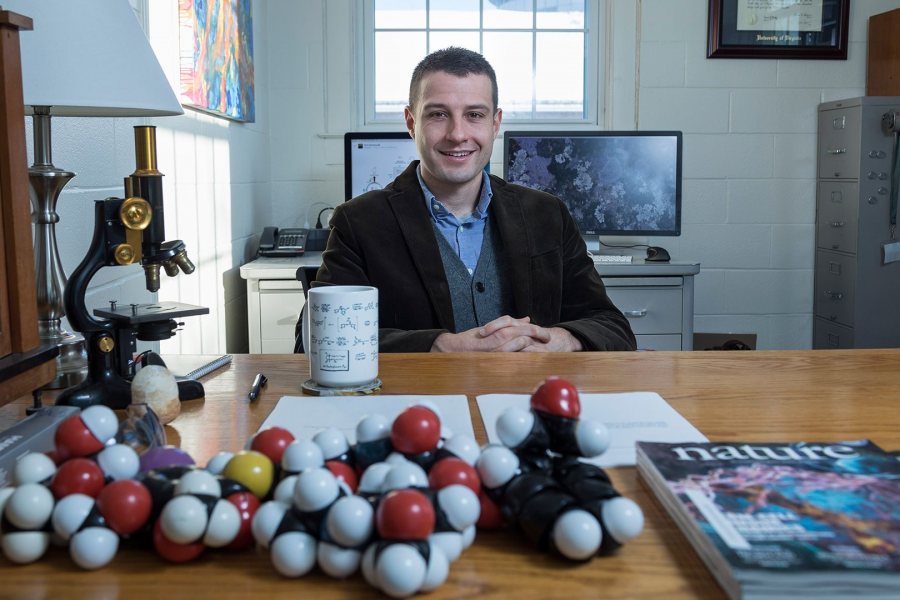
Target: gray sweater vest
(483, 296)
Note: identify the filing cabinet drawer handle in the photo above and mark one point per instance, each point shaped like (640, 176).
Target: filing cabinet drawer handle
(834, 295)
(636, 313)
(836, 151)
(838, 223)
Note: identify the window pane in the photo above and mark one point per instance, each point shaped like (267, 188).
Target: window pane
(537, 47)
(510, 55)
(454, 14)
(559, 75)
(461, 39)
(508, 14)
(560, 14)
(399, 14)
(396, 55)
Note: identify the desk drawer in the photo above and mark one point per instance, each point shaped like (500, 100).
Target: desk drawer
(279, 312)
(837, 205)
(278, 346)
(280, 285)
(839, 131)
(659, 342)
(835, 286)
(831, 336)
(650, 310)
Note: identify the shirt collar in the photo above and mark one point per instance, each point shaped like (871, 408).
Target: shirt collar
(437, 210)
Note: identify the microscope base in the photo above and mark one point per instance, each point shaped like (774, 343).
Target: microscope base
(116, 393)
(90, 393)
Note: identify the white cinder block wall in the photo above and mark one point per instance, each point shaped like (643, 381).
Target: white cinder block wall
(749, 168)
(749, 165)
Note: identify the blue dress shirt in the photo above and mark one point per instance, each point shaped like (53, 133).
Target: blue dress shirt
(464, 236)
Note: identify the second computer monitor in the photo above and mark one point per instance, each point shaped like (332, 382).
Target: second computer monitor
(374, 159)
(613, 182)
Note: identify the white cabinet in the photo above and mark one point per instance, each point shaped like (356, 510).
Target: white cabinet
(279, 306)
(657, 298)
(274, 301)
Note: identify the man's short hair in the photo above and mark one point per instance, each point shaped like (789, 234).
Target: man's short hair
(459, 62)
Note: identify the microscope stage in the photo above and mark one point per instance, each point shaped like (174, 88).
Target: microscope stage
(134, 314)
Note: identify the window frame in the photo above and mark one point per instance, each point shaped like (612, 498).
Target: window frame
(594, 74)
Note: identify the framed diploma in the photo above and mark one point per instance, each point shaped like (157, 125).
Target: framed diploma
(812, 29)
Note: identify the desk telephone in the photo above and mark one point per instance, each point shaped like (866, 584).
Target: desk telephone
(282, 242)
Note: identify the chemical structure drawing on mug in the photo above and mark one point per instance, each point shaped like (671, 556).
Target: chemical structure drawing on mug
(344, 321)
(341, 335)
(335, 360)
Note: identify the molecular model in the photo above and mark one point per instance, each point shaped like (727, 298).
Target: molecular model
(541, 486)
(84, 492)
(400, 505)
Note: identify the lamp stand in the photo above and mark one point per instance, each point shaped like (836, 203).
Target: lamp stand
(46, 184)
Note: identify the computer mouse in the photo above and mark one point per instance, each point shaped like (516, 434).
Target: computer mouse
(657, 254)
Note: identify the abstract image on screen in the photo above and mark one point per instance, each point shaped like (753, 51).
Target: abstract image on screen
(612, 184)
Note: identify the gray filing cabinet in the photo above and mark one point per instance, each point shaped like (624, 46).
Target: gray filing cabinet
(657, 299)
(856, 294)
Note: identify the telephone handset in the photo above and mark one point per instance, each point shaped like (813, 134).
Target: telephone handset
(282, 242)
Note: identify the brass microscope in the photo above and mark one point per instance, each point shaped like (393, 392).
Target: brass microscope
(127, 231)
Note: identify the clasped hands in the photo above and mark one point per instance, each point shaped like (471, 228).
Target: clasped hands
(508, 334)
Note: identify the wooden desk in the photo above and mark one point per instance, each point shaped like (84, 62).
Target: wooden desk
(748, 396)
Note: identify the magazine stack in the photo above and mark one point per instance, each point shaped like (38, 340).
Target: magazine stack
(785, 520)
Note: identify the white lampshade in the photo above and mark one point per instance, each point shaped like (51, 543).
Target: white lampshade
(90, 58)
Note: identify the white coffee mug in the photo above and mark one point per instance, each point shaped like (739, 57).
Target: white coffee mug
(340, 335)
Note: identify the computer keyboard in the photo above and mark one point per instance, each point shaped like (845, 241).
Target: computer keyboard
(611, 258)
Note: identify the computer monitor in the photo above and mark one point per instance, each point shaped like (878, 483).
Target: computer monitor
(613, 182)
(374, 159)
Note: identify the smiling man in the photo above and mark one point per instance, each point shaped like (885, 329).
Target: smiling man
(465, 261)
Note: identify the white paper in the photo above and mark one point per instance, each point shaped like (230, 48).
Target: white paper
(788, 16)
(305, 416)
(630, 417)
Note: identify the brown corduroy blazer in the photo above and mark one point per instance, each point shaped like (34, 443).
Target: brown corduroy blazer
(385, 238)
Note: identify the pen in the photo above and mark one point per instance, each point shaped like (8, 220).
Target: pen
(258, 382)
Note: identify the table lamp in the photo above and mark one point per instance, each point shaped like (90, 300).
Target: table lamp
(83, 59)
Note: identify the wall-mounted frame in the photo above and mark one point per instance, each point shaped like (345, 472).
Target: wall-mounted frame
(810, 29)
(216, 57)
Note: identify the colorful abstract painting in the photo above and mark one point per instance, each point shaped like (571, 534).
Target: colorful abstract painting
(216, 49)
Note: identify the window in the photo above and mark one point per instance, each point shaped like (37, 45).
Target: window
(545, 53)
